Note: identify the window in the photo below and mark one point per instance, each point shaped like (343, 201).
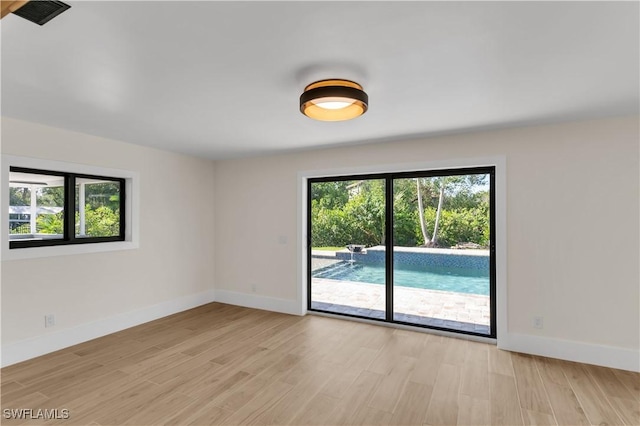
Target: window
(49, 208)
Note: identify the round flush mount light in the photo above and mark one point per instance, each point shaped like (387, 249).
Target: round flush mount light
(333, 100)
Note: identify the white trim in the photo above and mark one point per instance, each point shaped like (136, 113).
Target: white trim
(132, 207)
(302, 244)
(274, 304)
(500, 163)
(30, 348)
(588, 353)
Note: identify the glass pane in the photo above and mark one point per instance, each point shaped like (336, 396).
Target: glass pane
(36, 206)
(348, 254)
(97, 208)
(441, 252)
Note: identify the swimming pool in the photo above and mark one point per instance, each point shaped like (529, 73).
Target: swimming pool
(446, 279)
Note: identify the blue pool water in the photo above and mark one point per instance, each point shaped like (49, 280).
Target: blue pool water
(446, 279)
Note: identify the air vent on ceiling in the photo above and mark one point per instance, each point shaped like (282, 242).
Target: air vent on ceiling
(41, 12)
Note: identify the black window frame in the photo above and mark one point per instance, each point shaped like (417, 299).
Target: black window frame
(389, 177)
(69, 236)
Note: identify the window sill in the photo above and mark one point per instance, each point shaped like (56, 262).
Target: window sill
(71, 249)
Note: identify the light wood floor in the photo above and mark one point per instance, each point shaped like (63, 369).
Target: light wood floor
(220, 364)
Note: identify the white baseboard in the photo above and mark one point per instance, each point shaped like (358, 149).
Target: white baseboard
(606, 356)
(30, 348)
(285, 306)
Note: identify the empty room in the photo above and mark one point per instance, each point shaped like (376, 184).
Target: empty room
(327, 213)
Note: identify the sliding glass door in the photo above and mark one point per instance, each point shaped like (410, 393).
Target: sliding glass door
(414, 248)
(441, 251)
(348, 223)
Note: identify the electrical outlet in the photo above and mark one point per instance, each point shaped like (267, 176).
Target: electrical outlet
(49, 320)
(538, 322)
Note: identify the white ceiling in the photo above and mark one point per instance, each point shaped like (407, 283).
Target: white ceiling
(222, 79)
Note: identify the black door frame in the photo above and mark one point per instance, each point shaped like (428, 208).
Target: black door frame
(389, 238)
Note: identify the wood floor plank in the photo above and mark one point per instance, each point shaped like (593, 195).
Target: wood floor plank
(533, 396)
(429, 362)
(390, 388)
(621, 399)
(18, 413)
(371, 417)
(566, 407)
(505, 405)
(347, 370)
(412, 405)
(317, 412)
(374, 338)
(164, 374)
(191, 412)
(500, 362)
(608, 382)
(235, 398)
(51, 382)
(593, 401)
(102, 411)
(473, 411)
(134, 358)
(456, 351)
(209, 388)
(287, 408)
(156, 411)
(536, 418)
(9, 386)
(357, 399)
(475, 371)
(261, 403)
(564, 403)
(36, 372)
(628, 410)
(631, 381)
(550, 371)
(152, 396)
(397, 345)
(222, 364)
(443, 405)
(159, 362)
(210, 415)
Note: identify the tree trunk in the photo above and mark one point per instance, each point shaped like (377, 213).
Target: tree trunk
(435, 226)
(423, 226)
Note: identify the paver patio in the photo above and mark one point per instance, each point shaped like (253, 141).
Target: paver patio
(459, 311)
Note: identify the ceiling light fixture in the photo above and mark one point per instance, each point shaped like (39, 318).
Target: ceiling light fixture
(333, 100)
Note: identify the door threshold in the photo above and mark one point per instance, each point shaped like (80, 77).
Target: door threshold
(455, 335)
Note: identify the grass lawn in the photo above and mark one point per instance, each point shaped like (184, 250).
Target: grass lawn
(328, 248)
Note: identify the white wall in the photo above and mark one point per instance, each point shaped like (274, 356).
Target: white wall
(572, 230)
(572, 234)
(97, 293)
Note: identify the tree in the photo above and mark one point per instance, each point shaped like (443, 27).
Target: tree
(20, 196)
(50, 196)
(50, 223)
(102, 222)
(461, 194)
(454, 208)
(439, 184)
(423, 226)
(434, 241)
